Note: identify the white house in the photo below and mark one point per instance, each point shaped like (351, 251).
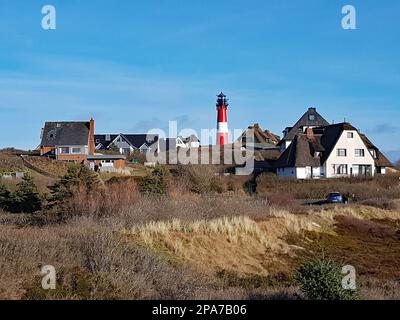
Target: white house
(331, 151)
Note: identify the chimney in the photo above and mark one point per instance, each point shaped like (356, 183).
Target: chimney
(310, 133)
(91, 137)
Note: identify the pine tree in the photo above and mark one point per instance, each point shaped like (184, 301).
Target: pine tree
(155, 182)
(26, 198)
(5, 197)
(76, 178)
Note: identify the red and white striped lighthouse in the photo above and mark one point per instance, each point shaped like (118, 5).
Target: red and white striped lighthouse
(222, 119)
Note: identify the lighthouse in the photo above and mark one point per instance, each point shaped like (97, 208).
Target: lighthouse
(222, 120)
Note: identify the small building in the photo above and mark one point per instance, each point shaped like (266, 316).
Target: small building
(107, 162)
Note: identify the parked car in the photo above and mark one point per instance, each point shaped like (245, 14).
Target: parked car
(336, 197)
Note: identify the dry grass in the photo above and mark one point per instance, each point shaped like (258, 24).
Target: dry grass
(54, 167)
(10, 163)
(243, 245)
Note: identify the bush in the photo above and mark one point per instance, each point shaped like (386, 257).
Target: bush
(322, 280)
(156, 181)
(77, 179)
(26, 199)
(5, 197)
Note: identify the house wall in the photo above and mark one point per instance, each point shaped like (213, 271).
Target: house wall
(287, 172)
(75, 157)
(44, 150)
(122, 145)
(71, 157)
(301, 172)
(350, 144)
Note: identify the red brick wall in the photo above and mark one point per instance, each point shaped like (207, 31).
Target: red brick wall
(78, 158)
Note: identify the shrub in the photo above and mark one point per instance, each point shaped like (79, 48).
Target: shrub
(204, 179)
(156, 181)
(322, 280)
(26, 198)
(5, 197)
(77, 179)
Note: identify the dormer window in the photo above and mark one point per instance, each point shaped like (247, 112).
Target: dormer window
(373, 153)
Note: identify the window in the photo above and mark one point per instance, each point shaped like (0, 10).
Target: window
(350, 135)
(97, 140)
(340, 169)
(126, 151)
(76, 150)
(365, 170)
(64, 150)
(354, 170)
(311, 117)
(359, 152)
(341, 152)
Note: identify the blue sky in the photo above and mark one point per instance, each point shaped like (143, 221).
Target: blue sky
(134, 65)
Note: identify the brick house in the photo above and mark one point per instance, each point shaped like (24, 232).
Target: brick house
(69, 141)
(74, 141)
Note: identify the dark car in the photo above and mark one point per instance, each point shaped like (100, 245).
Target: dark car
(335, 197)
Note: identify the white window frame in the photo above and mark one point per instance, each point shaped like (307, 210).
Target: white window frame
(359, 153)
(73, 152)
(65, 149)
(339, 154)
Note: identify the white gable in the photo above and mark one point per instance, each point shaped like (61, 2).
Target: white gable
(351, 142)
